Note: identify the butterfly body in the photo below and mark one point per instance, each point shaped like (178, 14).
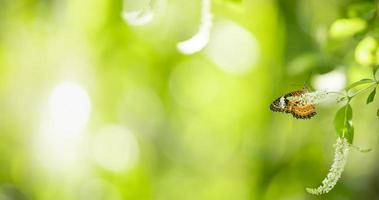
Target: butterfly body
(298, 109)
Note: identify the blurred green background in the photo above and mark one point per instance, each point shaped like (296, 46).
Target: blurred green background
(94, 107)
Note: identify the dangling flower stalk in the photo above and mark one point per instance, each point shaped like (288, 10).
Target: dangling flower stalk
(340, 157)
(200, 39)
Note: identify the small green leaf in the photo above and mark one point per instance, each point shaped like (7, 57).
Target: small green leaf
(349, 135)
(345, 28)
(341, 116)
(375, 70)
(361, 82)
(371, 96)
(377, 113)
(343, 123)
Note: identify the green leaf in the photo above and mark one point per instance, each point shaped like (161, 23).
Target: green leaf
(361, 82)
(371, 96)
(377, 113)
(341, 116)
(343, 123)
(350, 134)
(374, 70)
(345, 28)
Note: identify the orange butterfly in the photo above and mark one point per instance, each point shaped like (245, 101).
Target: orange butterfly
(298, 109)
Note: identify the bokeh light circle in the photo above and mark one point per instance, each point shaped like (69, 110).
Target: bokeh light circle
(69, 106)
(57, 146)
(332, 81)
(98, 189)
(141, 109)
(115, 148)
(233, 48)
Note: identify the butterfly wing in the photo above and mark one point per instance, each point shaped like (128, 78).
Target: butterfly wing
(278, 105)
(282, 104)
(303, 111)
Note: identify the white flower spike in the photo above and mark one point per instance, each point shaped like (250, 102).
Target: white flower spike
(315, 97)
(197, 42)
(340, 157)
(138, 17)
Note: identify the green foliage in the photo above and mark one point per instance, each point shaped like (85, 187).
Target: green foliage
(374, 71)
(371, 96)
(365, 10)
(346, 28)
(360, 82)
(343, 119)
(352, 43)
(343, 123)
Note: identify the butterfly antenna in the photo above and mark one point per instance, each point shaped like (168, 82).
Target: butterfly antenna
(306, 82)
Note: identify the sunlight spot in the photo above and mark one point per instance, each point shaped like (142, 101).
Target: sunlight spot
(57, 150)
(57, 145)
(233, 48)
(115, 148)
(69, 107)
(332, 81)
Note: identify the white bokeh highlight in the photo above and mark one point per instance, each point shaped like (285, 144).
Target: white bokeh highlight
(198, 41)
(332, 81)
(69, 106)
(115, 148)
(233, 48)
(58, 144)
